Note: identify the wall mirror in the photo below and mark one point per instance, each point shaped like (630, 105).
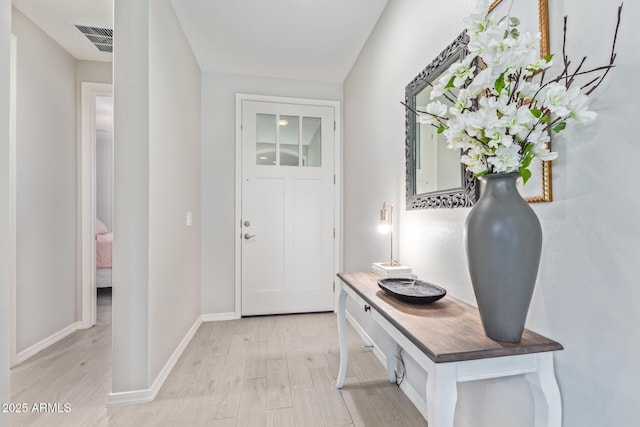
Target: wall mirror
(435, 176)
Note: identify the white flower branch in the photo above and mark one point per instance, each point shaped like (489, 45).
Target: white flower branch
(503, 108)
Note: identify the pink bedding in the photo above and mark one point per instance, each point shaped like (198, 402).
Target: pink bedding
(103, 250)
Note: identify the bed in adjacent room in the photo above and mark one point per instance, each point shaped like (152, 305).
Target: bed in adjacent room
(104, 243)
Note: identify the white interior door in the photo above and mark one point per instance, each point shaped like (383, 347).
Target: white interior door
(287, 208)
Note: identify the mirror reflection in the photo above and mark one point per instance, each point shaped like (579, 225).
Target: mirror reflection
(435, 176)
(437, 167)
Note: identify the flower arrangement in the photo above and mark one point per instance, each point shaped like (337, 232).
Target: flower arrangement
(497, 104)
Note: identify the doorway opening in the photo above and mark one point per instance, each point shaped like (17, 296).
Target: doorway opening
(96, 190)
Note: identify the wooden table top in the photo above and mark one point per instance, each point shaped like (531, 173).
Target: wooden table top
(448, 330)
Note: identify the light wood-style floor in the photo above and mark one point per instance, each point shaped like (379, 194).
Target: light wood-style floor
(263, 371)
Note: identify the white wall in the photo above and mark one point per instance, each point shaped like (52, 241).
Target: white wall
(130, 312)
(218, 172)
(587, 293)
(174, 173)
(5, 37)
(46, 185)
(156, 263)
(94, 72)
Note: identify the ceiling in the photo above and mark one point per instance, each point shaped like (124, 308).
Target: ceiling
(56, 18)
(296, 39)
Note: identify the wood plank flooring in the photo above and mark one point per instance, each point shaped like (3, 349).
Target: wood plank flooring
(262, 371)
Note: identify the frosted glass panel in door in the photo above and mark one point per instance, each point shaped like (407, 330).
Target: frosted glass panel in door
(311, 141)
(289, 140)
(266, 137)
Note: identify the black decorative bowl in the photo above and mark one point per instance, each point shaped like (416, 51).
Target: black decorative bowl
(412, 290)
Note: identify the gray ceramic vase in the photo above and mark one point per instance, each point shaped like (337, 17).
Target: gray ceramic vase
(503, 241)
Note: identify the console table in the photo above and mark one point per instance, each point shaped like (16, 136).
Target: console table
(446, 338)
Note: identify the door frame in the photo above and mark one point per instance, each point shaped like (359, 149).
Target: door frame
(87, 201)
(337, 194)
(13, 206)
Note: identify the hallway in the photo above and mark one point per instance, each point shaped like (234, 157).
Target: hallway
(259, 371)
(76, 370)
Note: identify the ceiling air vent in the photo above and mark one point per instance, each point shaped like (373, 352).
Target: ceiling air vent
(102, 38)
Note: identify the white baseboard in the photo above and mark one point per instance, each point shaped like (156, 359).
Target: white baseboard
(415, 398)
(217, 317)
(130, 397)
(147, 395)
(45, 343)
(406, 388)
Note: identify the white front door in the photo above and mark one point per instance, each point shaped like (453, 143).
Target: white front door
(287, 208)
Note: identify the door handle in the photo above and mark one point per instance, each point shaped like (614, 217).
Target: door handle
(248, 236)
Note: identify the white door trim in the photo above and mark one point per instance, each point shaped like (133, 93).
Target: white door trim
(13, 239)
(87, 200)
(337, 194)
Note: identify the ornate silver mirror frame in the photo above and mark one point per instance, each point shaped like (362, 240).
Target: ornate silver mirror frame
(467, 193)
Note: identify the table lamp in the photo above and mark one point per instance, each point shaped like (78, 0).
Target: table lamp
(391, 268)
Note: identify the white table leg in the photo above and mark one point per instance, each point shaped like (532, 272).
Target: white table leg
(342, 331)
(442, 395)
(546, 394)
(392, 349)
